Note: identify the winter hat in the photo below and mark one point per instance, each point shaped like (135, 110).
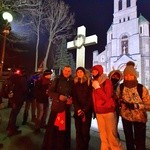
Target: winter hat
(80, 68)
(130, 63)
(99, 68)
(47, 72)
(130, 70)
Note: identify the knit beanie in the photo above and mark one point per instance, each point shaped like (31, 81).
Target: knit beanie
(80, 68)
(47, 72)
(99, 68)
(130, 70)
(130, 63)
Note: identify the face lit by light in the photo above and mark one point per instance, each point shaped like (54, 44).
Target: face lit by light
(94, 72)
(129, 77)
(66, 72)
(48, 76)
(80, 74)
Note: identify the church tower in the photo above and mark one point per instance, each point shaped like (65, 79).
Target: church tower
(127, 40)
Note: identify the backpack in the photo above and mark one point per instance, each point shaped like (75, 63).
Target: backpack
(139, 89)
(7, 89)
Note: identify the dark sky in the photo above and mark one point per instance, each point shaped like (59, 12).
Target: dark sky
(97, 16)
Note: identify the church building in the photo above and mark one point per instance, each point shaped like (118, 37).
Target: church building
(128, 39)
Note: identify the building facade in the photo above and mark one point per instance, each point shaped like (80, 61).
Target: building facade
(128, 39)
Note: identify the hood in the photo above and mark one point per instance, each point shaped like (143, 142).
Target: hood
(116, 71)
(99, 68)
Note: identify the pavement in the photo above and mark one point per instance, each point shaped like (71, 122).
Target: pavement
(27, 140)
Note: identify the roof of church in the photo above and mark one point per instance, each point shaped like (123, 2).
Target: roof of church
(142, 19)
(110, 28)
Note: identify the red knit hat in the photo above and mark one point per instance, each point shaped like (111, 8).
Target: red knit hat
(99, 68)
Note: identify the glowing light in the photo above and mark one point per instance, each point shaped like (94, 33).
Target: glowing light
(7, 16)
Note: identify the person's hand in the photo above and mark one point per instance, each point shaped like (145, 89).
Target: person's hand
(62, 98)
(139, 106)
(69, 101)
(95, 84)
(82, 115)
(80, 112)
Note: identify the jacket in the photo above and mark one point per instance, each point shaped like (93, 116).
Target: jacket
(102, 97)
(60, 86)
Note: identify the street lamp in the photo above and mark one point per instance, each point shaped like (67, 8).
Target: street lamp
(8, 17)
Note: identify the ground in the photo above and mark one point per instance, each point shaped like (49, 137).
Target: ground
(27, 140)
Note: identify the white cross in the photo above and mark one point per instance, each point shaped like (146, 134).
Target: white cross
(79, 43)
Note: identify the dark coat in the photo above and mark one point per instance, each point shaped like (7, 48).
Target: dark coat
(82, 96)
(20, 88)
(40, 89)
(60, 86)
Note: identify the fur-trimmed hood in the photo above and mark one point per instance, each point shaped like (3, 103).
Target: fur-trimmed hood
(115, 71)
(86, 78)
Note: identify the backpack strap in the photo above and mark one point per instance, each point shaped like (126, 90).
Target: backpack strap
(121, 88)
(140, 89)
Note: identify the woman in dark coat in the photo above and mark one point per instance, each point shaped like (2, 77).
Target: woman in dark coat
(82, 102)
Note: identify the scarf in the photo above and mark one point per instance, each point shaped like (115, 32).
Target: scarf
(130, 84)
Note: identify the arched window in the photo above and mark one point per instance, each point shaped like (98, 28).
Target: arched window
(120, 4)
(124, 44)
(141, 30)
(128, 3)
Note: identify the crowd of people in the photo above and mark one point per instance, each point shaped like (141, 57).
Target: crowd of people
(93, 94)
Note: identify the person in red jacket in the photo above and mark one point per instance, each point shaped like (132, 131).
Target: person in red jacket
(104, 107)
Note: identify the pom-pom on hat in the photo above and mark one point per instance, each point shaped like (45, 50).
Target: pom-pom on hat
(130, 63)
(47, 72)
(99, 68)
(80, 68)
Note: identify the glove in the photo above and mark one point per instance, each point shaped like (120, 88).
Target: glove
(129, 105)
(95, 84)
(139, 106)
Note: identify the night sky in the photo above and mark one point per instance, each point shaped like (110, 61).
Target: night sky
(97, 16)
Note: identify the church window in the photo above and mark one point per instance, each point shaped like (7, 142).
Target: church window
(141, 30)
(111, 36)
(120, 4)
(124, 44)
(128, 18)
(128, 3)
(124, 19)
(119, 20)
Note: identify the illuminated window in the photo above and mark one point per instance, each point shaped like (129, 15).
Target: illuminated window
(124, 44)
